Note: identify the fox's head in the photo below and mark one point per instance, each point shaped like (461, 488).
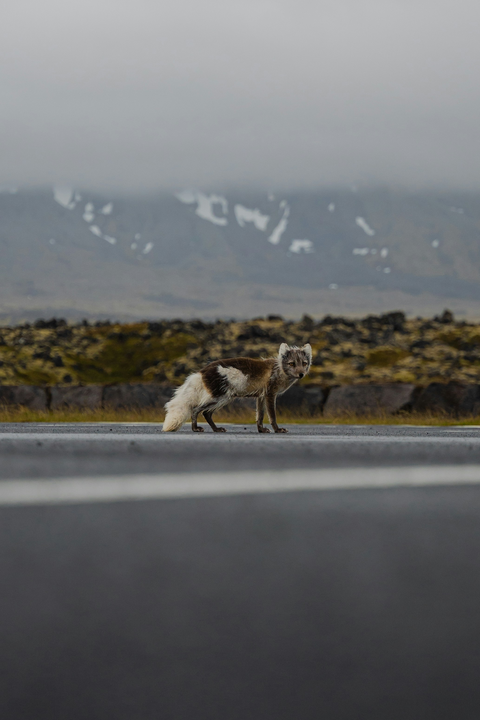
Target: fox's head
(294, 361)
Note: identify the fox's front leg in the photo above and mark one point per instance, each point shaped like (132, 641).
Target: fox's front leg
(260, 414)
(272, 414)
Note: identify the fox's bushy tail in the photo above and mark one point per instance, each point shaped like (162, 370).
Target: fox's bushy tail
(179, 409)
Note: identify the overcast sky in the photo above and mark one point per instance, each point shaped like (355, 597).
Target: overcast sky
(148, 94)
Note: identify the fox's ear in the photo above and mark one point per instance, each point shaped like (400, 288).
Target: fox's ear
(283, 349)
(308, 350)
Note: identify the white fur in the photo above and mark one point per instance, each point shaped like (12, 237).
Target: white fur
(308, 350)
(190, 395)
(237, 380)
(283, 350)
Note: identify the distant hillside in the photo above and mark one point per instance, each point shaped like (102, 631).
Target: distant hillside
(195, 254)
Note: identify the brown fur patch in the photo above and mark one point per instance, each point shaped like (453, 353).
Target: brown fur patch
(258, 372)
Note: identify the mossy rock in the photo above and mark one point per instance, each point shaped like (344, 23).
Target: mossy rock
(385, 356)
(452, 339)
(169, 350)
(35, 376)
(125, 358)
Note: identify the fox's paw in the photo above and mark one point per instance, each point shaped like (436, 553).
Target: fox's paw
(281, 430)
(220, 429)
(263, 430)
(198, 429)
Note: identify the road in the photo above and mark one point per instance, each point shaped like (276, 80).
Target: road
(333, 572)
(46, 450)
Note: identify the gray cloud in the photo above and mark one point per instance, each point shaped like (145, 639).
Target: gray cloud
(137, 94)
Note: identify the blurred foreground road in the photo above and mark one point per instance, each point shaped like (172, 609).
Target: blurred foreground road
(330, 573)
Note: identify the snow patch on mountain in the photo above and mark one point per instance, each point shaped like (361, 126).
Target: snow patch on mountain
(147, 248)
(186, 196)
(331, 207)
(277, 233)
(298, 245)
(88, 213)
(64, 196)
(107, 209)
(95, 230)
(205, 204)
(205, 208)
(244, 215)
(361, 222)
(136, 238)
(372, 251)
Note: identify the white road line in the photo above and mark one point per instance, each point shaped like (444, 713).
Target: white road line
(145, 487)
(247, 438)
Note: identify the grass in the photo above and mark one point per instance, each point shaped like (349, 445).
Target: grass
(24, 415)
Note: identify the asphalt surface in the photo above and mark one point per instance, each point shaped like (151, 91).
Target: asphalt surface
(46, 450)
(316, 602)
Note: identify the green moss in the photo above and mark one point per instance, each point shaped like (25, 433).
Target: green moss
(125, 358)
(453, 339)
(385, 356)
(168, 351)
(34, 376)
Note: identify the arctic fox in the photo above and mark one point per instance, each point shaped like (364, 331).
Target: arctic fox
(223, 380)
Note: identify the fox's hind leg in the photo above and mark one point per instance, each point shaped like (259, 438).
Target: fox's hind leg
(207, 414)
(195, 413)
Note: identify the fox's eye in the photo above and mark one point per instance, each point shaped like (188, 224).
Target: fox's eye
(291, 363)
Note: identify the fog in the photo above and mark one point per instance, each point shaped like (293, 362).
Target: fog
(140, 95)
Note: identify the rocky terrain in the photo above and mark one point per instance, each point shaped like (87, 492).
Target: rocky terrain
(376, 349)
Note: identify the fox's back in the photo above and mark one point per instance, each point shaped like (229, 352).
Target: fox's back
(239, 376)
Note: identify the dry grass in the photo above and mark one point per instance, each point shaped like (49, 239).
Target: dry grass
(23, 415)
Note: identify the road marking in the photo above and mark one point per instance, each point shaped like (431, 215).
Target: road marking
(117, 488)
(240, 438)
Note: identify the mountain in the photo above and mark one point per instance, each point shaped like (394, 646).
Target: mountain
(203, 254)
